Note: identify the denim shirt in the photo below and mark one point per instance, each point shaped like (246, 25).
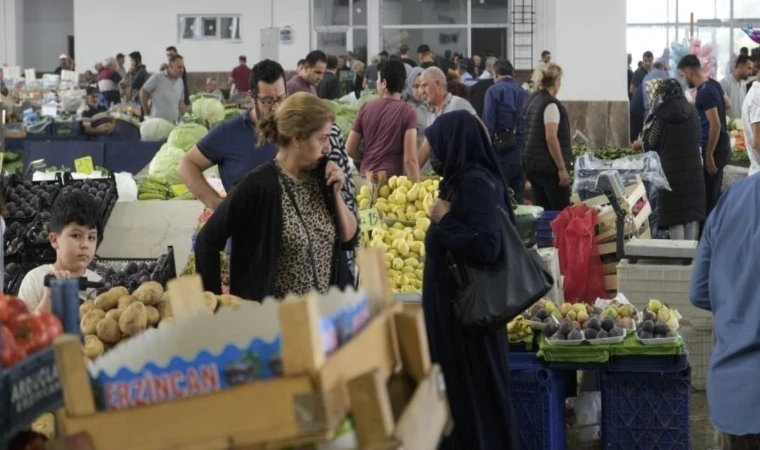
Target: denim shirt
(503, 109)
(724, 281)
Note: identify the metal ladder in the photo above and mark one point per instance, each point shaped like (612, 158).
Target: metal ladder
(523, 25)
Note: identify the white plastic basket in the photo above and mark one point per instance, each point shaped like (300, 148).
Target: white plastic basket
(699, 343)
(667, 282)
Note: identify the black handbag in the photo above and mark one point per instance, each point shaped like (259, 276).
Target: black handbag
(489, 297)
(504, 141)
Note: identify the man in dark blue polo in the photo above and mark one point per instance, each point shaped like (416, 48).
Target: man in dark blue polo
(503, 116)
(232, 144)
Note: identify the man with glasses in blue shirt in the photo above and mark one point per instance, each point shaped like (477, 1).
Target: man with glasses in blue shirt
(232, 144)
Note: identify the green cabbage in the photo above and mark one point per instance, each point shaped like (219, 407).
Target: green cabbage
(231, 113)
(208, 110)
(165, 163)
(186, 135)
(155, 129)
(345, 125)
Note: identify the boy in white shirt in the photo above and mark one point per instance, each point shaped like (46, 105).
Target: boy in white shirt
(74, 229)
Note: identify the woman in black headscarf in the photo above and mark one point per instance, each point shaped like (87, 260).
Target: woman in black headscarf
(673, 130)
(466, 222)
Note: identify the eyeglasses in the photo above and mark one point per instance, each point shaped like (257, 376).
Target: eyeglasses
(268, 101)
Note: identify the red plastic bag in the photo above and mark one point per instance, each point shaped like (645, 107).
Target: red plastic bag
(579, 262)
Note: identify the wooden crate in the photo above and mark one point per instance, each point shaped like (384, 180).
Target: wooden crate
(607, 221)
(304, 406)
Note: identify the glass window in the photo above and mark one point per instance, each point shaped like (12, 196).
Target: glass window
(230, 27)
(332, 42)
(491, 11)
(359, 12)
(360, 44)
(642, 39)
(647, 11)
(742, 40)
(190, 27)
(209, 27)
(720, 39)
(424, 12)
(702, 9)
(443, 41)
(330, 12)
(747, 9)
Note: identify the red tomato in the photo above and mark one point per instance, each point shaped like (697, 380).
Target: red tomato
(13, 307)
(52, 326)
(11, 353)
(30, 333)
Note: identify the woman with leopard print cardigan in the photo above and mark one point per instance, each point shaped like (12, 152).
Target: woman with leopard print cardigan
(289, 223)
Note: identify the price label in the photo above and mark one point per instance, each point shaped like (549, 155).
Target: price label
(178, 189)
(369, 219)
(84, 165)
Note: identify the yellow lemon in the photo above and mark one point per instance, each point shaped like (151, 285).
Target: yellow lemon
(418, 273)
(415, 246)
(382, 207)
(411, 262)
(393, 182)
(385, 191)
(393, 252)
(422, 251)
(364, 203)
(365, 191)
(398, 226)
(407, 270)
(398, 263)
(419, 235)
(414, 255)
(418, 214)
(411, 210)
(402, 190)
(418, 204)
(423, 224)
(392, 216)
(403, 249)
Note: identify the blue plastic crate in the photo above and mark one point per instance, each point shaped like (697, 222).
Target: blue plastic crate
(67, 128)
(544, 231)
(646, 411)
(29, 389)
(538, 401)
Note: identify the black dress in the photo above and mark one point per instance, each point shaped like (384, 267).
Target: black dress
(675, 136)
(475, 365)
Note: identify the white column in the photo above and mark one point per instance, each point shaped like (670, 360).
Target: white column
(12, 32)
(590, 45)
(374, 42)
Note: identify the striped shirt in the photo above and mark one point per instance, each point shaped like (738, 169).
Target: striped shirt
(339, 156)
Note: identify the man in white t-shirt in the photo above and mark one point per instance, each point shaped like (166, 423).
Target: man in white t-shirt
(74, 228)
(751, 122)
(735, 85)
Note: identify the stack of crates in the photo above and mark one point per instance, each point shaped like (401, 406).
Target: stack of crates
(669, 283)
(538, 401)
(544, 231)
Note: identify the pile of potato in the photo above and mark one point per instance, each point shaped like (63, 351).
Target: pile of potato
(115, 315)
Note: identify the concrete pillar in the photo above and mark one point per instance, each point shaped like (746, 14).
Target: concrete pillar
(587, 39)
(12, 32)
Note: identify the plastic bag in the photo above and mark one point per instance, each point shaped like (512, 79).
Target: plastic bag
(575, 236)
(126, 187)
(647, 165)
(526, 217)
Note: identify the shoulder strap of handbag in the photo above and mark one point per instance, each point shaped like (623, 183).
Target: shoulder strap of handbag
(286, 182)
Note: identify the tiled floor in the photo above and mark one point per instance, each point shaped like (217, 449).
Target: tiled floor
(703, 435)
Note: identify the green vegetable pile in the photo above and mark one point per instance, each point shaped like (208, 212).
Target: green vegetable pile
(345, 113)
(157, 188)
(604, 152)
(186, 135)
(13, 162)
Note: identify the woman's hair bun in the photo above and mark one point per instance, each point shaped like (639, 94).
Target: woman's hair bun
(268, 129)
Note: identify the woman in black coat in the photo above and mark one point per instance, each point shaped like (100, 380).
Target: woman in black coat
(673, 131)
(466, 223)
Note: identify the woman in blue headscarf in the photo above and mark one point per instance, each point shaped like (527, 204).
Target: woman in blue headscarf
(466, 222)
